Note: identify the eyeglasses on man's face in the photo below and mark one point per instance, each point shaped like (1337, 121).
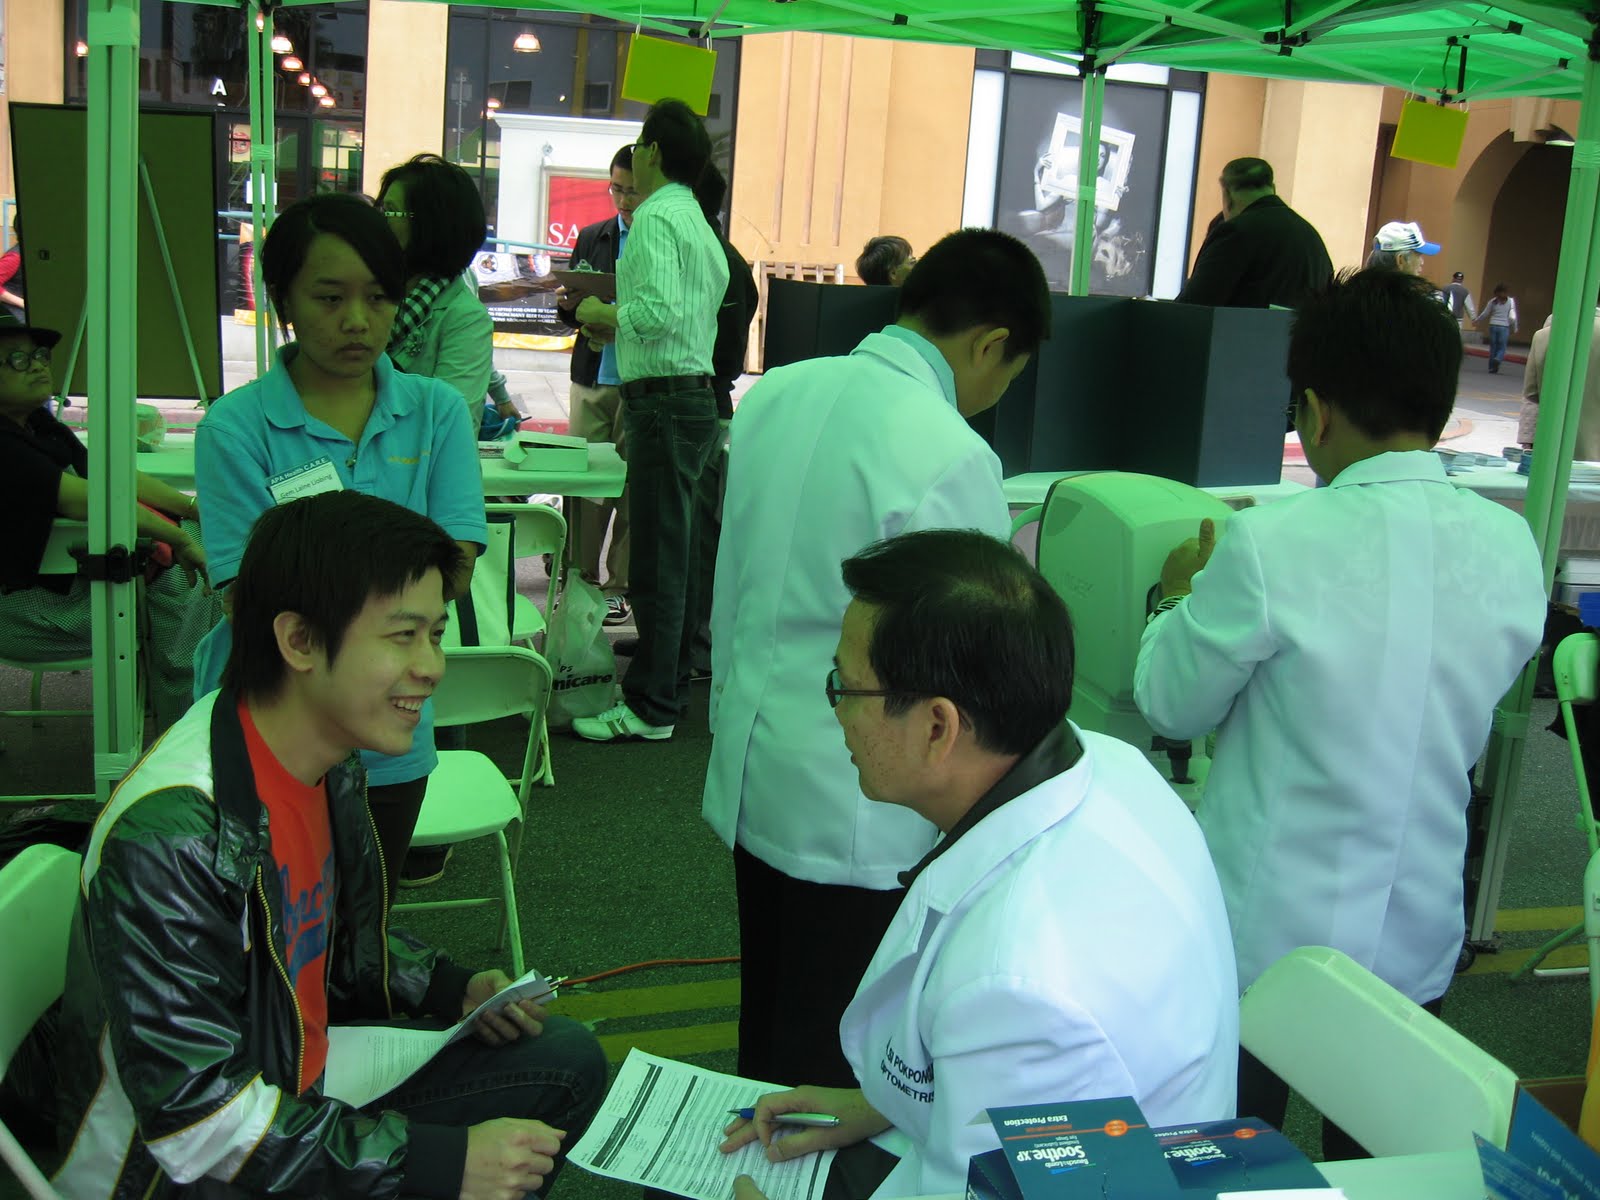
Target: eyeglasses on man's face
(23, 360)
(622, 193)
(834, 689)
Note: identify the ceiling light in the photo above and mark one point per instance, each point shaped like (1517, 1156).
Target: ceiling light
(326, 102)
(527, 42)
(305, 79)
(281, 44)
(492, 102)
(81, 49)
(292, 64)
(319, 89)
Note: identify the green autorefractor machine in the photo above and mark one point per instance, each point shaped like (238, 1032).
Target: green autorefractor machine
(1504, 49)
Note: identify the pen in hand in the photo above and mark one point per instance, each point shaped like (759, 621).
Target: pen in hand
(811, 1120)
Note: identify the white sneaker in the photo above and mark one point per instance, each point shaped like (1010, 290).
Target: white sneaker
(619, 723)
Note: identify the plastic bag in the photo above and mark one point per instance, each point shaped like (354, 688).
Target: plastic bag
(581, 658)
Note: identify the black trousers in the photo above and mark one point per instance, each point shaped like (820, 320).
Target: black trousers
(804, 948)
(670, 435)
(1262, 1094)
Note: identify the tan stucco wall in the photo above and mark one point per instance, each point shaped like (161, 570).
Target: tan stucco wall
(841, 139)
(1319, 138)
(405, 89)
(34, 66)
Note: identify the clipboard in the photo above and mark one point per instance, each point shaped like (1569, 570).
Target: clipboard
(602, 285)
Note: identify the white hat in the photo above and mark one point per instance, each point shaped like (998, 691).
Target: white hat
(1404, 235)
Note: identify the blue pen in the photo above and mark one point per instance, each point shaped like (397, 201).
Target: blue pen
(811, 1120)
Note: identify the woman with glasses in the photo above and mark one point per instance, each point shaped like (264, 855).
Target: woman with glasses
(441, 329)
(43, 473)
(334, 413)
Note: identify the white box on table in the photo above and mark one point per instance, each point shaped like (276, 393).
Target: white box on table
(532, 450)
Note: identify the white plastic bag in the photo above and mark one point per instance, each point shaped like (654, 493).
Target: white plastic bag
(584, 665)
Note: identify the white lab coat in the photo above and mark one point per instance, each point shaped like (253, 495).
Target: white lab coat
(1349, 646)
(1071, 945)
(825, 458)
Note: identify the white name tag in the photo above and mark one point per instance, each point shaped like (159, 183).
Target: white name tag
(310, 479)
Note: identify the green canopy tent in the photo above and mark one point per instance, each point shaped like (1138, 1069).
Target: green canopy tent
(1451, 52)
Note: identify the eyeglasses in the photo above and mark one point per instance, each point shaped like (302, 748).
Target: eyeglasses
(622, 193)
(23, 360)
(833, 690)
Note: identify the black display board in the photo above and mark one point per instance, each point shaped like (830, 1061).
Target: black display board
(1182, 391)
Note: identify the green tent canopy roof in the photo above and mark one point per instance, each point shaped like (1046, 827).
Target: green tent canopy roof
(1508, 49)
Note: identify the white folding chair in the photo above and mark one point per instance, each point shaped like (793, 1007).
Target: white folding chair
(468, 796)
(1575, 663)
(38, 890)
(537, 529)
(1380, 1066)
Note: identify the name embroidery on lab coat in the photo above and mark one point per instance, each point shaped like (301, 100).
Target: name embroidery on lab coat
(915, 1082)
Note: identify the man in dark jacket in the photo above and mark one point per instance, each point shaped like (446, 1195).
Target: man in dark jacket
(233, 913)
(596, 397)
(1264, 253)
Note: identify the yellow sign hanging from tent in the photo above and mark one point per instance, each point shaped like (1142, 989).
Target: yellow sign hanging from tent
(1430, 133)
(658, 69)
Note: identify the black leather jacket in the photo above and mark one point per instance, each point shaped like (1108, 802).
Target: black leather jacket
(185, 1083)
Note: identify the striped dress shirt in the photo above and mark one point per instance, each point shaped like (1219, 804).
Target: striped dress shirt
(669, 287)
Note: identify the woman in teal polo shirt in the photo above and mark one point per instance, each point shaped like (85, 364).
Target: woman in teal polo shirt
(332, 412)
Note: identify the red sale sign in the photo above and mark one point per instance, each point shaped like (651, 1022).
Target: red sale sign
(573, 202)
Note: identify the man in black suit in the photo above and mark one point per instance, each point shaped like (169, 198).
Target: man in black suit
(1264, 253)
(596, 396)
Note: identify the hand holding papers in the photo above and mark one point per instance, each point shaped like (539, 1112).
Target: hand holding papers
(660, 1127)
(602, 285)
(366, 1061)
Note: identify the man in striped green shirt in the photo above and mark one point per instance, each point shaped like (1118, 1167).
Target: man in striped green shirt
(669, 287)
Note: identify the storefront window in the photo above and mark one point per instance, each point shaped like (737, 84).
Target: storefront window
(195, 56)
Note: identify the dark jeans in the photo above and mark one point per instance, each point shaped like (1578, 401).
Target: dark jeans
(558, 1077)
(670, 435)
(796, 977)
(1262, 1094)
(708, 527)
(394, 814)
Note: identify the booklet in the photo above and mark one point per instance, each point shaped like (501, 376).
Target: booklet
(366, 1061)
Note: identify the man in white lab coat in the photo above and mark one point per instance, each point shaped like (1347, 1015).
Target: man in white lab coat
(826, 457)
(1065, 939)
(1348, 646)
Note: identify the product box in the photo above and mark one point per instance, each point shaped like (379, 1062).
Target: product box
(535, 450)
(1544, 1154)
(1104, 1150)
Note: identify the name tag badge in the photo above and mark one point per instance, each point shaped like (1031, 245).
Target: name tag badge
(309, 479)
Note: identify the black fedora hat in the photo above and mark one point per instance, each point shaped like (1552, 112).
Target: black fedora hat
(10, 323)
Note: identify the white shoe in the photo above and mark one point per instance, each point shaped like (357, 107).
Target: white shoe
(619, 723)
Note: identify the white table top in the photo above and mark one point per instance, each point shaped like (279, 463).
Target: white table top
(1506, 486)
(1024, 491)
(173, 464)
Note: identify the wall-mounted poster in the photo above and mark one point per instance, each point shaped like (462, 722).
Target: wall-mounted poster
(1037, 194)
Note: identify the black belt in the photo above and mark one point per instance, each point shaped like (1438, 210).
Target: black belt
(664, 383)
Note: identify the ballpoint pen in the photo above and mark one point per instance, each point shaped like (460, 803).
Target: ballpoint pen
(812, 1120)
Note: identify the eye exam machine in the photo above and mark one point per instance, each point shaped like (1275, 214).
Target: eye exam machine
(1103, 537)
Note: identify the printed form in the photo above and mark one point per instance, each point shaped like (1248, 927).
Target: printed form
(662, 1122)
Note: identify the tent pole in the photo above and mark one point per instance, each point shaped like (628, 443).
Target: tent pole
(1094, 91)
(258, 38)
(1560, 400)
(112, 242)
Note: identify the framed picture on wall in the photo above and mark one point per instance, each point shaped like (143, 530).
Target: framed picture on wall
(1060, 178)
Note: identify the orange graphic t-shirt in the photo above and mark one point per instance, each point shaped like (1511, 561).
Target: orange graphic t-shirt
(302, 846)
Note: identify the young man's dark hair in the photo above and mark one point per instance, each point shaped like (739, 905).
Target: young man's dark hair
(323, 557)
(446, 222)
(622, 158)
(1380, 348)
(685, 146)
(980, 277)
(344, 216)
(880, 257)
(963, 615)
(1247, 175)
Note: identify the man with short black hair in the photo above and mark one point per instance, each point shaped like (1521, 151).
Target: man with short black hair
(669, 287)
(1349, 646)
(1459, 298)
(595, 400)
(885, 261)
(996, 984)
(825, 457)
(1263, 254)
(234, 906)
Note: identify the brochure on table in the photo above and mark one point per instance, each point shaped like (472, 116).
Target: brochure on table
(1544, 1158)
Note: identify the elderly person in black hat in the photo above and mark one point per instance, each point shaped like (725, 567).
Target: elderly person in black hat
(43, 473)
